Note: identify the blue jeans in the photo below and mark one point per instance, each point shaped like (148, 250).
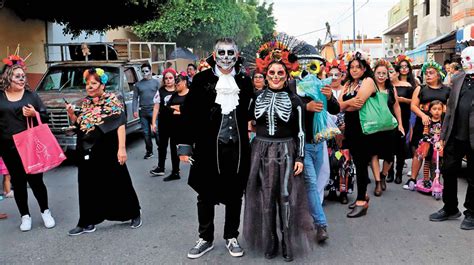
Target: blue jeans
(313, 162)
(146, 114)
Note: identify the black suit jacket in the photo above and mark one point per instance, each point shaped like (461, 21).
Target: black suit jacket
(449, 119)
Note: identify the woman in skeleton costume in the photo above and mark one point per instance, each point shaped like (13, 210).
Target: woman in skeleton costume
(275, 181)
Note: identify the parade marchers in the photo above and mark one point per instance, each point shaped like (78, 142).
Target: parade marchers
(371, 119)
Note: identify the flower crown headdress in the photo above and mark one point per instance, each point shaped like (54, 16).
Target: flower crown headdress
(275, 51)
(358, 54)
(15, 59)
(339, 64)
(99, 71)
(434, 65)
(383, 62)
(402, 57)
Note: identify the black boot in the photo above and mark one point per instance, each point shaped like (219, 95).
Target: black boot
(332, 195)
(272, 248)
(390, 175)
(383, 181)
(398, 178)
(343, 198)
(286, 251)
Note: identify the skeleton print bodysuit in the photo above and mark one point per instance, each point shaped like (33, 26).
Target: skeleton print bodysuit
(279, 114)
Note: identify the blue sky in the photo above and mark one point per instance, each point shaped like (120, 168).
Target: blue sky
(297, 17)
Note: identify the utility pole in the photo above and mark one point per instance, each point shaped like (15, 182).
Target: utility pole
(411, 24)
(354, 24)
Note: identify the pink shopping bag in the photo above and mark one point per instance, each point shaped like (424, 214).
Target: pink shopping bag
(38, 148)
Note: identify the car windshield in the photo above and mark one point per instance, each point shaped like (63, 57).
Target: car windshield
(71, 78)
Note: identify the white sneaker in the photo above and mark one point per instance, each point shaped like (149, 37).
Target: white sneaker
(9, 195)
(25, 223)
(48, 219)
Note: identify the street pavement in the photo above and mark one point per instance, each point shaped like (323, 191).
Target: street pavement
(396, 229)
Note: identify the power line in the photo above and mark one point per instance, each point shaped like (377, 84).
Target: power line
(339, 21)
(311, 32)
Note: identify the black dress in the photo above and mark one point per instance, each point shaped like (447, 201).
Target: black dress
(105, 187)
(382, 144)
(426, 96)
(278, 145)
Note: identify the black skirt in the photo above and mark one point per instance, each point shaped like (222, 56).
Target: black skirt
(105, 187)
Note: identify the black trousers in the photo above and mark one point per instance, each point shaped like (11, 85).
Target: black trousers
(206, 210)
(206, 207)
(361, 162)
(19, 180)
(454, 152)
(165, 136)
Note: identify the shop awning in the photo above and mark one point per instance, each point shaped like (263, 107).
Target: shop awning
(420, 54)
(465, 34)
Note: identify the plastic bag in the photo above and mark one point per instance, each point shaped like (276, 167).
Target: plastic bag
(324, 128)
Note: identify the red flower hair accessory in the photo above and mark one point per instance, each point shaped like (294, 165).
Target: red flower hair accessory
(339, 64)
(402, 57)
(14, 60)
(170, 70)
(275, 51)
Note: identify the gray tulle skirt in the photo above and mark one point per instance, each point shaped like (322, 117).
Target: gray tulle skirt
(276, 205)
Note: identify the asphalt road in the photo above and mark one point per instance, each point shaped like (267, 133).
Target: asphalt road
(395, 231)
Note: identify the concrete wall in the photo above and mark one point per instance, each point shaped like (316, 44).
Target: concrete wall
(462, 12)
(434, 24)
(31, 35)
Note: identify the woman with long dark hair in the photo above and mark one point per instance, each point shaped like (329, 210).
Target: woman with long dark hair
(404, 91)
(359, 86)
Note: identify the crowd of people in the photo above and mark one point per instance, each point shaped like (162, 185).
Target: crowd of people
(278, 139)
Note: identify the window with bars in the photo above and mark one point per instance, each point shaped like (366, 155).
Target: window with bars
(445, 8)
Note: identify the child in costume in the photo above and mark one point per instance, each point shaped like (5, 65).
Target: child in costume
(428, 146)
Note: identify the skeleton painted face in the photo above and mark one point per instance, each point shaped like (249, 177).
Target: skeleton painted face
(276, 76)
(225, 55)
(146, 71)
(18, 78)
(467, 56)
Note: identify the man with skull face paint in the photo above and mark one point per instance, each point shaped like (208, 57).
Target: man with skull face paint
(215, 115)
(143, 94)
(457, 138)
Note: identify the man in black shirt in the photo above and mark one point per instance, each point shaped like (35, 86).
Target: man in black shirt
(457, 137)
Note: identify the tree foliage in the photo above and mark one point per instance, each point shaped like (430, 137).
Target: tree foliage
(89, 16)
(197, 24)
(266, 23)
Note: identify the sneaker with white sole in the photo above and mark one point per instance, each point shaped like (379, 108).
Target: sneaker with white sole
(81, 230)
(234, 247)
(410, 185)
(25, 223)
(202, 247)
(48, 219)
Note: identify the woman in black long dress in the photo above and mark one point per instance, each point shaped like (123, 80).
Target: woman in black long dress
(275, 186)
(405, 92)
(422, 97)
(105, 188)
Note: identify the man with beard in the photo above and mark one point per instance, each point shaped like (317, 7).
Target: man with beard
(215, 114)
